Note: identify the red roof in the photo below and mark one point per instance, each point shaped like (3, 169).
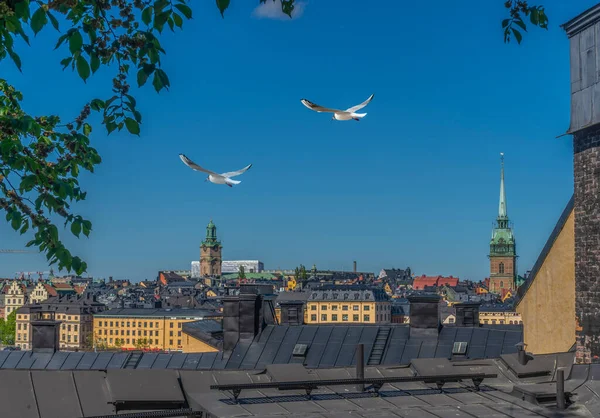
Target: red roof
(79, 289)
(62, 286)
(51, 291)
(420, 282)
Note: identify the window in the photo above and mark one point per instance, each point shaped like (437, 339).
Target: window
(111, 332)
(140, 332)
(106, 323)
(122, 324)
(323, 307)
(502, 321)
(313, 317)
(367, 307)
(111, 323)
(18, 336)
(75, 328)
(19, 326)
(122, 332)
(344, 317)
(170, 342)
(178, 342)
(451, 320)
(127, 340)
(128, 324)
(170, 333)
(63, 337)
(324, 317)
(145, 333)
(127, 332)
(345, 296)
(75, 338)
(179, 333)
(501, 284)
(110, 339)
(355, 318)
(68, 338)
(69, 328)
(133, 341)
(334, 317)
(156, 342)
(170, 325)
(105, 332)
(334, 307)
(367, 318)
(133, 324)
(179, 325)
(156, 324)
(69, 317)
(313, 307)
(344, 307)
(151, 323)
(355, 307)
(501, 268)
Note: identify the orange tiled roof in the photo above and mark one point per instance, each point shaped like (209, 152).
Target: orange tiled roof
(51, 291)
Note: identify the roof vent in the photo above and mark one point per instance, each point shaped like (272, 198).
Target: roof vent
(459, 348)
(300, 350)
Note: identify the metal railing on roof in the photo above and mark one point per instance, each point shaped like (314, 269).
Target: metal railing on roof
(375, 383)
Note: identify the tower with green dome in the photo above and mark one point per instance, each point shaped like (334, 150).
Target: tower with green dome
(503, 250)
(210, 252)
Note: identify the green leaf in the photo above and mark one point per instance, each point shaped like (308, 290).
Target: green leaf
(61, 40)
(518, 35)
(534, 16)
(65, 63)
(147, 15)
(87, 227)
(75, 42)
(142, 77)
(111, 126)
(76, 228)
(16, 220)
(160, 80)
(76, 265)
(22, 10)
(160, 20)
(97, 104)
(16, 59)
(53, 20)
(132, 126)
(171, 24)
(178, 20)
(521, 24)
(38, 20)
(94, 62)
(25, 226)
(83, 68)
(187, 12)
(28, 183)
(505, 22)
(87, 129)
(53, 231)
(221, 4)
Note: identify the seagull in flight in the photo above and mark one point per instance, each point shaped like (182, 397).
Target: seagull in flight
(224, 178)
(347, 114)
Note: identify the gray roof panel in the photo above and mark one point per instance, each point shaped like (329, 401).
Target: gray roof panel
(93, 393)
(41, 360)
(13, 359)
(191, 361)
(56, 394)
(238, 354)
(287, 345)
(316, 349)
(207, 360)
(177, 361)
(26, 361)
(162, 361)
(147, 361)
(117, 361)
(102, 361)
(3, 356)
(72, 361)
(348, 348)
(57, 360)
(16, 394)
(87, 361)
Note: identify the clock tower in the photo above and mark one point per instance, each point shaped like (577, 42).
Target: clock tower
(503, 253)
(210, 252)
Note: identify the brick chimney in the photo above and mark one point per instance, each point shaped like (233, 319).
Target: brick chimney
(467, 314)
(584, 38)
(44, 333)
(292, 312)
(424, 312)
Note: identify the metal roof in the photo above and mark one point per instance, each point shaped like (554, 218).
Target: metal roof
(328, 346)
(80, 393)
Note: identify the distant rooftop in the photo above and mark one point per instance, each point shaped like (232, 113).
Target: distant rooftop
(160, 313)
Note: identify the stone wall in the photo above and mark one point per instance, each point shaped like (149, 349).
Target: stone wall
(586, 148)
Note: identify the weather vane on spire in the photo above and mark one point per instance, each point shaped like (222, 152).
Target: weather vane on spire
(502, 157)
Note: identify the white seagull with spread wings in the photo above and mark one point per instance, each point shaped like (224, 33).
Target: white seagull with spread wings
(347, 114)
(224, 178)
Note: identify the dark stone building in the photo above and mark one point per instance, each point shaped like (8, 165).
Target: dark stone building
(583, 32)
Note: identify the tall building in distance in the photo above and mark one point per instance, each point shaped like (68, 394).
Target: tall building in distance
(503, 252)
(210, 252)
(250, 266)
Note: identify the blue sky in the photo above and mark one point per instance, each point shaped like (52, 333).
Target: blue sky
(415, 183)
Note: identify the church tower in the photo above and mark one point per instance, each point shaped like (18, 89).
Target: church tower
(210, 252)
(503, 253)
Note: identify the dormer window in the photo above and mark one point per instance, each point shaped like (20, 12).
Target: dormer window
(345, 296)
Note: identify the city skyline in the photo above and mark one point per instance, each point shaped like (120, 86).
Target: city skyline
(421, 191)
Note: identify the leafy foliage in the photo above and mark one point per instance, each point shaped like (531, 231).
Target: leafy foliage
(517, 10)
(242, 273)
(41, 157)
(8, 328)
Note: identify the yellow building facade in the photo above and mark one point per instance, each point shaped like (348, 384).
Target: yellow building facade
(15, 297)
(348, 305)
(547, 300)
(154, 329)
(500, 318)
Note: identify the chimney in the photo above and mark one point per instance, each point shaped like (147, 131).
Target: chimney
(157, 304)
(244, 316)
(467, 314)
(585, 130)
(424, 312)
(354, 262)
(292, 312)
(231, 322)
(45, 334)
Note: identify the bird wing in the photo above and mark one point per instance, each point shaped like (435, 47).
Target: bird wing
(318, 108)
(360, 106)
(195, 166)
(236, 173)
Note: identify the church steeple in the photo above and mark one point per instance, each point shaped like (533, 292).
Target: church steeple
(502, 205)
(503, 252)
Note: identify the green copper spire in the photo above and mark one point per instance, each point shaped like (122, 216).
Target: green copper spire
(503, 240)
(211, 234)
(502, 205)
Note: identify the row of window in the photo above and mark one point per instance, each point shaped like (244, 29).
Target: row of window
(502, 321)
(14, 301)
(133, 341)
(334, 317)
(129, 324)
(313, 307)
(150, 333)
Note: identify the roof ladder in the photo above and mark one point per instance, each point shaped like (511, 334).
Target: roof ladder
(383, 333)
(133, 360)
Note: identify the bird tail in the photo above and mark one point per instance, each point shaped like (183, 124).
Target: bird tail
(359, 115)
(232, 182)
